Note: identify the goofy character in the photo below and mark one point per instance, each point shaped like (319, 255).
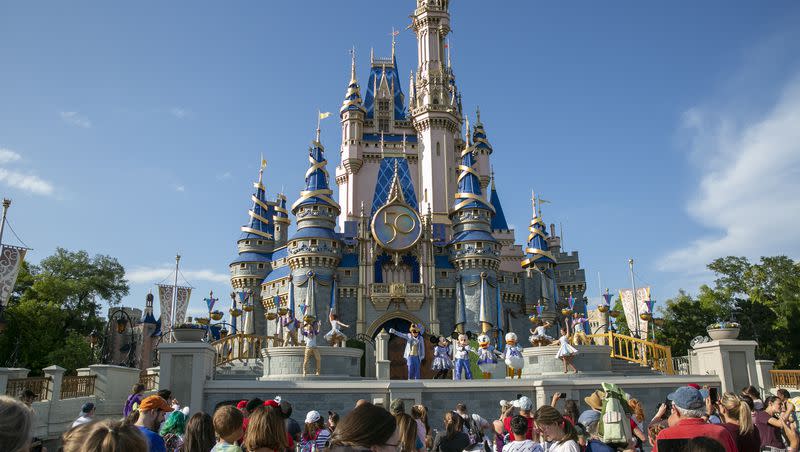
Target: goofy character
(415, 350)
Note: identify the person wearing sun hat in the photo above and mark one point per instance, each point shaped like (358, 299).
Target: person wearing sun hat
(151, 414)
(595, 400)
(688, 409)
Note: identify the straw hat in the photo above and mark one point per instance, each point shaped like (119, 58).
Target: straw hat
(595, 401)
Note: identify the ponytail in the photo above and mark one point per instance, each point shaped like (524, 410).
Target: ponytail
(745, 418)
(550, 416)
(736, 407)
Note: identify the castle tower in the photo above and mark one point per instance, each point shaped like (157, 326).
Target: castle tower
(282, 221)
(255, 246)
(352, 116)
(314, 251)
(482, 151)
(474, 252)
(540, 263)
(148, 326)
(437, 113)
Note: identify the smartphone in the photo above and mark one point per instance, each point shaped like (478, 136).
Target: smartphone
(712, 394)
(563, 395)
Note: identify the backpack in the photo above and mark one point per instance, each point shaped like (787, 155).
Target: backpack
(614, 428)
(476, 439)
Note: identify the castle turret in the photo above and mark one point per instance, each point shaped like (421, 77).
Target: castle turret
(149, 326)
(474, 251)
(352, 116)
(540, 263)
(436, 114)
(256, 244)
(482, 151)
(314, 251)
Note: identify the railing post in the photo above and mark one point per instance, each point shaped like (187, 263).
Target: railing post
(56, 374)
(611, 342)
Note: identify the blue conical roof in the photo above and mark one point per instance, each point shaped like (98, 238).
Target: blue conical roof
(260, 225)
(469, 185)
(499, 219)
(317, 189)
(537, 250)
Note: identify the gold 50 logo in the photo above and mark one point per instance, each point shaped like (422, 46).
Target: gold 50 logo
(396, 227)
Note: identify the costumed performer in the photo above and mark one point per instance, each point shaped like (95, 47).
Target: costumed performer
(289, 325)
(513, 356)
(442, 358)
(310, 332)
(539, 335)
(487, 359)
(415, 350)
(461, 356)
(578, 334)
(566, 352)
(335, 337)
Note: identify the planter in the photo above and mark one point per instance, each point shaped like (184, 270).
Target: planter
(723, 333)
(189, 334)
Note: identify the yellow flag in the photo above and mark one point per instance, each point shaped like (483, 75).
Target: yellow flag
(263, 161)
(324, 115)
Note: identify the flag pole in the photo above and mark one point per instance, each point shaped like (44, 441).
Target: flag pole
(6, 205)
(174, 295)
(319, 119)
(635, 303)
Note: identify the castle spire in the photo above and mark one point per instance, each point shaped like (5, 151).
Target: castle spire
(352, 98)
(469, 186)
(317, 189)
(261, 212)
(537, 250)
(482, 145)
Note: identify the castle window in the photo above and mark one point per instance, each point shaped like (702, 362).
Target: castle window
(438, 149)
(247, 242)
(334, 244)
(516, 280)
(444, 274)
(348, 273)
(383, 125)
(278, 228)
(242, 266)
(314, 208)
(458, 246)
(313, 241)
(479, 245)
(260, 266)
(260, 242)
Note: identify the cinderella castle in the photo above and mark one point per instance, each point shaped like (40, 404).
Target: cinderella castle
(417, 232)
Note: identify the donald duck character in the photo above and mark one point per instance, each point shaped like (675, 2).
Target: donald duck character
(513, 356)
(415, 349)
(487, 361)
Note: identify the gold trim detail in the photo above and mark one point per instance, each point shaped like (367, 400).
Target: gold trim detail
(257, 232)
(259, 202)
(257, 217)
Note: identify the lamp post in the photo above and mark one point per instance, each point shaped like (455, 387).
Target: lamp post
(124, 322)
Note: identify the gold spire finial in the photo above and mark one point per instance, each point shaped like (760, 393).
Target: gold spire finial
(353, 65)
(533, 202)
(394, 35)
(466, 130)
(478, 114)
(261, 169)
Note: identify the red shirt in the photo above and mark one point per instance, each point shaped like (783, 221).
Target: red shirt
(528, 434)
(694, 427)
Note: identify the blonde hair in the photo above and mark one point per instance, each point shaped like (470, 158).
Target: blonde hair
(407, 429)
(16, 424)
(638, 411)
(104, 436)
(265, 429)
(737, 409)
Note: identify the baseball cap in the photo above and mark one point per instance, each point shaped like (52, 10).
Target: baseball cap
(242, 404)
(694, 385)
(272, 403)
(687, 398)
(87, 407)
(523, 403)
(154, 402)
(312, 416)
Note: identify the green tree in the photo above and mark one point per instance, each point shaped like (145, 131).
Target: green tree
(684, 319)
(55, 306)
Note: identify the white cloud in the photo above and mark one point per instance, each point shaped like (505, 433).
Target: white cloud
(26, 182)
(180, 113)
(180, 188)
(8, 156)
(76, 119)
(159, 273)
(224, 176)
(749, 191)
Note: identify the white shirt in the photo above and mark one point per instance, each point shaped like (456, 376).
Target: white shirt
(462, 352)
(83, 419)
(555, 446)
(311, 340)
(520, 446)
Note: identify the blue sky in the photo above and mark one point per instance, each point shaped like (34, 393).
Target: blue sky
(669, 133)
